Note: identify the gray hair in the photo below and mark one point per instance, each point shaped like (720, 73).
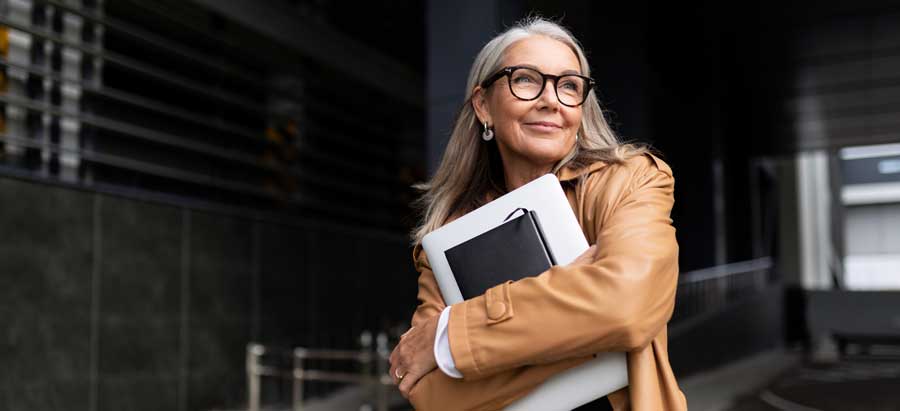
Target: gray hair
(469, 168)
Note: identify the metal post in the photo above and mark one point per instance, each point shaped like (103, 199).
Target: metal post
(366, 371)
(382, 370)
(297, 376)
(254, 351)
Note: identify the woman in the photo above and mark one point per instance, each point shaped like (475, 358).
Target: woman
(530, 111)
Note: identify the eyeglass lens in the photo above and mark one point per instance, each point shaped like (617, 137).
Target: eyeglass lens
(527, 84)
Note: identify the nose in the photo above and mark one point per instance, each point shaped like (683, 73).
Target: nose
(548, 95)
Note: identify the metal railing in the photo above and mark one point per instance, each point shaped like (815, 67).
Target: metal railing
(709, 289)
(699, 292)
(371, 374)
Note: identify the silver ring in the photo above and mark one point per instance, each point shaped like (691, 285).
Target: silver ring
(399, 377)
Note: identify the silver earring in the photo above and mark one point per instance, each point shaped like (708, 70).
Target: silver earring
(488, 134)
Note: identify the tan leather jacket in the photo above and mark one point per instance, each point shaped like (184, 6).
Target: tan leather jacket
(509, 340)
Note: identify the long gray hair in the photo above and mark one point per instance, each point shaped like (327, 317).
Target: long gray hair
(471, 169)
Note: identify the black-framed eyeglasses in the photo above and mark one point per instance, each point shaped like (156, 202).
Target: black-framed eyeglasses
(526, 83)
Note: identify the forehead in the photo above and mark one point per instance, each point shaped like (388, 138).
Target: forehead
(548, 55)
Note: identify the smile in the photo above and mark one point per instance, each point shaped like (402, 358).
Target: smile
(543, 126)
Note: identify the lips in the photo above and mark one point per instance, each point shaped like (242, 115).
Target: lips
(543, 124)
(543, 127)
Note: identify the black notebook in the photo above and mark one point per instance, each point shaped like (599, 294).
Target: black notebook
(511, 251)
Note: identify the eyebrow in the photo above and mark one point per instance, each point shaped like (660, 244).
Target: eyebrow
(536, 68)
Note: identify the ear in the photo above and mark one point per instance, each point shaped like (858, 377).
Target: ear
(480, 105)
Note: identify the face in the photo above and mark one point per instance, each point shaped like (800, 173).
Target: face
(536, 133)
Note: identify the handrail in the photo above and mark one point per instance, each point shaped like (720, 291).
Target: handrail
(376, 377)
(725, 270)
(706, 290)
(325, 354)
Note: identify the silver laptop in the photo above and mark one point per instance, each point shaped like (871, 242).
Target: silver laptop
(574, 387)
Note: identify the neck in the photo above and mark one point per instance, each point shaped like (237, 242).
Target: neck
(518, 174)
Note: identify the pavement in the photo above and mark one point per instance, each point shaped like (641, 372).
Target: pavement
(717, 389)
(782, 380)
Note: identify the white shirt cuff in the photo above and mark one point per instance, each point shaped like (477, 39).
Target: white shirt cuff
(442, 353)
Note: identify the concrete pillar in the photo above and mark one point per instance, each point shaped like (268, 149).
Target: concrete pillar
(816, 250)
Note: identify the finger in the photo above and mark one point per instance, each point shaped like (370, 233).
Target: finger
(395, 353)
(396, 364)
(392, 372)
(407, 332)
(409, 380)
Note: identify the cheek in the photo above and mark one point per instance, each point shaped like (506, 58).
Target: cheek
(507, 121)
(574, 119)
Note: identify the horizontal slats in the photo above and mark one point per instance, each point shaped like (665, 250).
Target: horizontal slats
(197, 115)
(218, 124)
(320, 106)
(846, 86)
(849, 103)
(140, 101)
(141, 68)
(137, 131)
(182, 143)
(834, 39)
(140, 166)
(324, 107)
(825, 76)
(850, 124)
(210, 62)
(184, 176)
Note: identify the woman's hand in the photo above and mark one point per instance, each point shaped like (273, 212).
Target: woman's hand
(413, 357)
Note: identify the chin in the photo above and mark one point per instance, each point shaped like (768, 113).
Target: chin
(548, 145)
(545, 155)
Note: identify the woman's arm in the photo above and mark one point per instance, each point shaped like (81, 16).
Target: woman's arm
(431, 303)
(617, 303)
(435, 390)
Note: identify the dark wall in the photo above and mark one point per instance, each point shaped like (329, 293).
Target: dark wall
(119, 304)
(46, 300)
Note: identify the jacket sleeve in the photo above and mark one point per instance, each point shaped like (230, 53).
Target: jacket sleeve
(435, 390)
(617, 303)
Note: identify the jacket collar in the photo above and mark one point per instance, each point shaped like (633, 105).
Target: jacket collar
(568, 173)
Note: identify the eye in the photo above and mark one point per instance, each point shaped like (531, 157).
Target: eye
(522, 79)
(569, 85)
